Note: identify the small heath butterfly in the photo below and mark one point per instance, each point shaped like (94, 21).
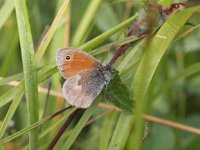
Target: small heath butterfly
(85, 76)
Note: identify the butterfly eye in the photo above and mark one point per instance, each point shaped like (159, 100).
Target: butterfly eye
(67, 57)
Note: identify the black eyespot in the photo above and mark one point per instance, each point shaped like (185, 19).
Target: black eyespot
(67, 57)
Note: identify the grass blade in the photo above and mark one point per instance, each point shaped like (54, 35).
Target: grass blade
(121, 132)
(106, 131)
(5, 11)
(29, 67)
(45, 41)
(12, 109)
(4, 81)
(99, 39)
(8, 96)
(85, 23)
(79, 126)
(150, 61)
(43, 74)
(25, 130)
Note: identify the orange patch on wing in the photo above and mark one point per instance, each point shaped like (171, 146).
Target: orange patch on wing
(79, 62)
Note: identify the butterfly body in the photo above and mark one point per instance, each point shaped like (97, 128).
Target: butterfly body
(85, 76)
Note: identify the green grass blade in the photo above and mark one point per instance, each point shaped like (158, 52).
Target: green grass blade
(44, 132)
(50, 70)
(25, 130)
(43, 74)
(6, 63)
(15, 77)
(85, 22)
(129, 56)
(79, 126)
(152, 56)
(121, 132)
(12, 109)
(5, 11)
(59, 39)
(49, 129)
(45, 41)
(116, 44)
(35, 125)
(29, 67)
(106, 130)
(184, 34)
(8, 96)
(99, 39)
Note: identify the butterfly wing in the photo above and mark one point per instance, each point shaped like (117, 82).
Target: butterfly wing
(81, 89)
(72, 61)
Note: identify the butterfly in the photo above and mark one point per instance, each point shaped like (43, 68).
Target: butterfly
(85, 76)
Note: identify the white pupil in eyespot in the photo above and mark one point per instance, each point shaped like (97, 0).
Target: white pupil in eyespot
(67, 57)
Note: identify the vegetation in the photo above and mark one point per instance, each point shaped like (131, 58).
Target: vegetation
(159, 66)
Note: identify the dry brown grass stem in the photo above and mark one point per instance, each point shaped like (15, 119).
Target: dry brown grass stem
(116, 109)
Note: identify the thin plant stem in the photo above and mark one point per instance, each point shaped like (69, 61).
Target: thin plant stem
(61, 131)
(125, 47)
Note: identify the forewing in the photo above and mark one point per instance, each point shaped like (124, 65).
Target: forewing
(81, 89)
(72, 61)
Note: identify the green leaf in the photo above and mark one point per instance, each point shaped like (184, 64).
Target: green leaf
(119, 94)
